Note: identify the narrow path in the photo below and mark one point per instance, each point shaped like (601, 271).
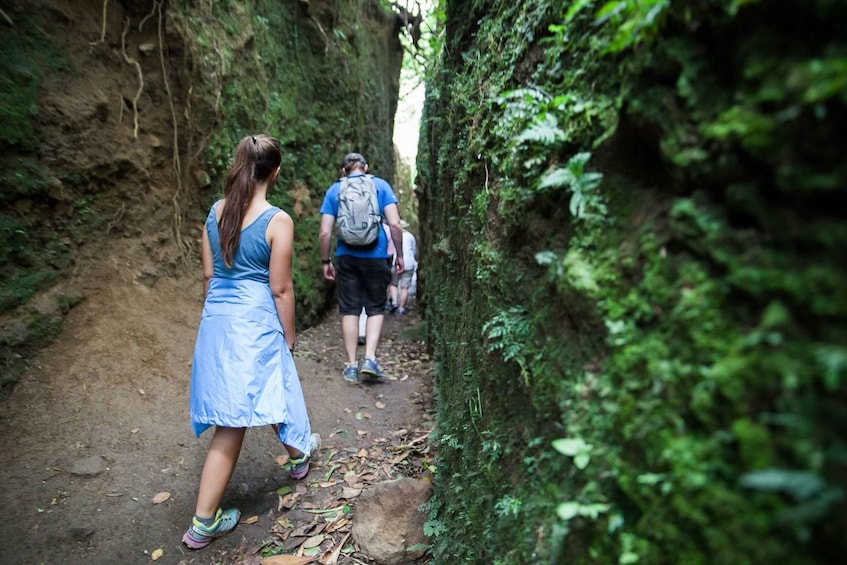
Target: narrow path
(99, 426)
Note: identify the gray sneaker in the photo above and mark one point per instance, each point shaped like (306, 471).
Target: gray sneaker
(351, 372)
(371, 368)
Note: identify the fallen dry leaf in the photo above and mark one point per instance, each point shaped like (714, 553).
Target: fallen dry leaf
(349, 492)
(362, 453)
(250, 520)
(400, 458)
(380, 405)
(134, 430)
(335, 526)
(161, 497)
(317, 528)
(332, 558)
(313, 541)
(300, 531)
(284, 502)
(157, 554)
(287, 560)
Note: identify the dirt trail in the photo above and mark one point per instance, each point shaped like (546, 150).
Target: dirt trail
(114, 386)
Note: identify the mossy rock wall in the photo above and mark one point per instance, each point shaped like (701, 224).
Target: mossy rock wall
(322, 76)
(84, 174)
(632, 257)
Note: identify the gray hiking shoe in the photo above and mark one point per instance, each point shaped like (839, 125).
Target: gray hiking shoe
(371, 368)
(351, 372)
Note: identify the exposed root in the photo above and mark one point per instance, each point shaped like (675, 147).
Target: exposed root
(117, 217)
(133, 62)
(148, 16)
(6, 17)
(103, 31)
(321, 29)
(177, 224)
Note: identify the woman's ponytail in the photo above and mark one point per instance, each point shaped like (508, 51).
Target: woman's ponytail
(256, 158)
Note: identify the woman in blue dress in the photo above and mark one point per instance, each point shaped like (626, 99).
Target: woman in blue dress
(243, 372)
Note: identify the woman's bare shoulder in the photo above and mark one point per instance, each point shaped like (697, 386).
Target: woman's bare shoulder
(281, 217)
(281, 225)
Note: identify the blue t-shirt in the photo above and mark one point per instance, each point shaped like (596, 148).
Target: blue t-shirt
(384, 195)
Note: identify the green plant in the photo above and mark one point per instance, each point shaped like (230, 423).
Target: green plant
(651, 213)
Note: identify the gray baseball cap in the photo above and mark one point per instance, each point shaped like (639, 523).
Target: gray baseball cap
(353, 158)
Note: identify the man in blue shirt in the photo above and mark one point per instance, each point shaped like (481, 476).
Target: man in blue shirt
(362, 273)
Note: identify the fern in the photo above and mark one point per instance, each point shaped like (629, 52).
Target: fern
(585, 202)
(544, 129)
(509, 332)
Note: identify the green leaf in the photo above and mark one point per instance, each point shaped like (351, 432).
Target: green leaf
(577, 205)
(593, 510)
(568, 510)
(544, 130)
(833, 359)
(650, 479)
(576, 8)
(628, 558)
(557, 178)
(570, 446)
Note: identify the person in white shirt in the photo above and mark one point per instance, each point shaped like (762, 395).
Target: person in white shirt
(410, 257)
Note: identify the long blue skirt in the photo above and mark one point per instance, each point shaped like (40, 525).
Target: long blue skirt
(243, 374)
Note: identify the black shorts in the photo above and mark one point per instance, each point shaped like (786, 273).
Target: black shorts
(362, 283)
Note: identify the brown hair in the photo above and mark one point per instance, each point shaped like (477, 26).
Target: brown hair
(256, 159)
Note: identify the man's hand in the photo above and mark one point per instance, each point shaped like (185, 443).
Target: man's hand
(399, 266)
(329, 271)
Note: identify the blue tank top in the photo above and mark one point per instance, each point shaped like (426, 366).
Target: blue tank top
(252, 256)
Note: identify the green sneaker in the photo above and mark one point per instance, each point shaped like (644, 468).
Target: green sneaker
(300, 467)
(199, 535)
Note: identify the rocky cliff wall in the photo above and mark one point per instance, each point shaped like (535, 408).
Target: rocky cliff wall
(119, 119)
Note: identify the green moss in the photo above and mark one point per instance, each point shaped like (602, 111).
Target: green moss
(26, 53)
(666, 302)
(267, 66)
(280, 70)
(754, 444)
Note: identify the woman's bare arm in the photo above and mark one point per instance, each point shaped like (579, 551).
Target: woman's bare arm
(208, 262)
(281, 239)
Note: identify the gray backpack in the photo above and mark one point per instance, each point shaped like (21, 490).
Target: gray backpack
(359, 220)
